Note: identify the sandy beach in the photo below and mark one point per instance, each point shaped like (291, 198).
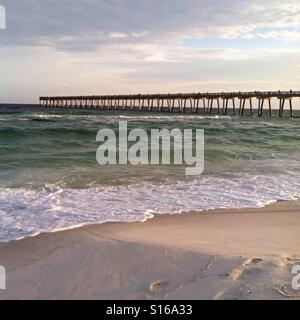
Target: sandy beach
(225, 254)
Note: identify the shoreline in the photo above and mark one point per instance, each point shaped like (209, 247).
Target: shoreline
(154, 216)
(219, 254)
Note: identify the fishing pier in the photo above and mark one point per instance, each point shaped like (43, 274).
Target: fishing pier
(223, 103)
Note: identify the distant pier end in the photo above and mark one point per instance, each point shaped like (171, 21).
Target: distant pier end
(206, 103)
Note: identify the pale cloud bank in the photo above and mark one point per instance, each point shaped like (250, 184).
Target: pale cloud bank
(112, 46)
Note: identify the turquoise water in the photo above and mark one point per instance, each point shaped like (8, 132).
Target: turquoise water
(50, 180)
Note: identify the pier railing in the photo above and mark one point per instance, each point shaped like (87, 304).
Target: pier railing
(208, 103)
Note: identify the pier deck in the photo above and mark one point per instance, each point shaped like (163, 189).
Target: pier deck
(208, 103)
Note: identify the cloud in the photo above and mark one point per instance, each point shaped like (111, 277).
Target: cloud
(115, 46)
(281, 35)
(248, 36)
(70, 24)
(117, 35)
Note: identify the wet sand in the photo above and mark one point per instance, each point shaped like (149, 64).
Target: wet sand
(223, 254)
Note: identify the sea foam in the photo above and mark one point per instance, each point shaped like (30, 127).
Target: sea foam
(25, 212)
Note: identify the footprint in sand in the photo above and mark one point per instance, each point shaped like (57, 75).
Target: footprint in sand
(237, 273)
(286, 291)
(253, 261)
(158, 286)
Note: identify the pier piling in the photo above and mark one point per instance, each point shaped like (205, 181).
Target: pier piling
(206, 103)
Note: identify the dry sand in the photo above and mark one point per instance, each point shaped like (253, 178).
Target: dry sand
(225, 254)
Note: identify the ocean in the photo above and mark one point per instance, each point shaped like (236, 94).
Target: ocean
(50, 179)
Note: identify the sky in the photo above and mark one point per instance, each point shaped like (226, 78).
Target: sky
(87, 47)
